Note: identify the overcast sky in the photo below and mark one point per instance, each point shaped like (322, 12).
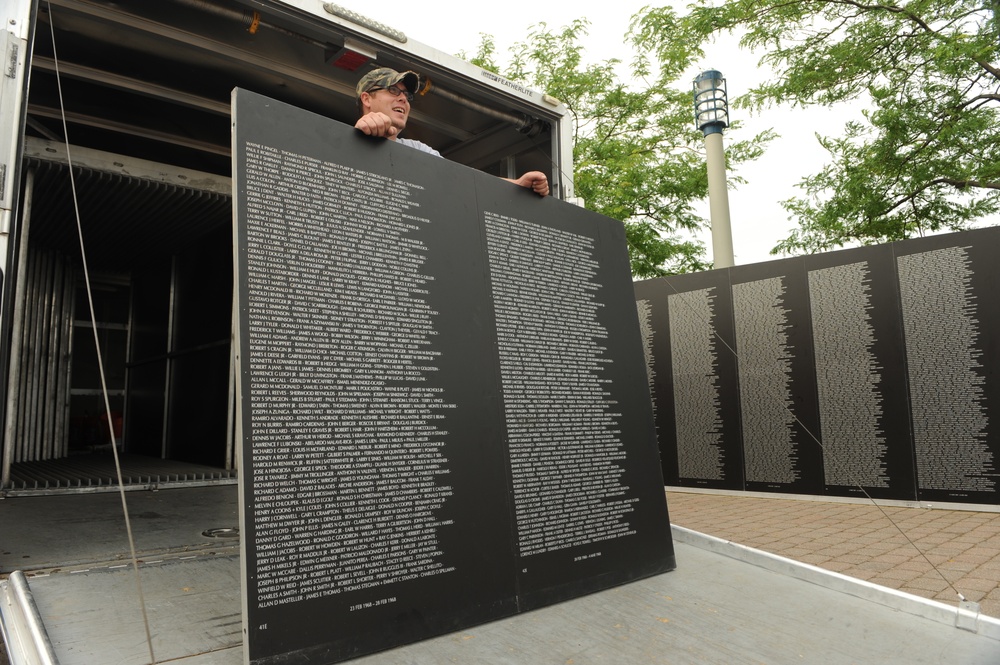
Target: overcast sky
(758, 220)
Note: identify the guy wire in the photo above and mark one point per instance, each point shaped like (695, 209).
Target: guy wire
(97, 344)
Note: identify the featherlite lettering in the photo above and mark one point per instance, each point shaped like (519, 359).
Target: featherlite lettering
(510, 84)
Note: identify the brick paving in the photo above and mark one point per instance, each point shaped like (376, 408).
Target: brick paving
(934, 553)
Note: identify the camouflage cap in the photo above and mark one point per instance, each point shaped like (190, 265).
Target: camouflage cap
(384, 78)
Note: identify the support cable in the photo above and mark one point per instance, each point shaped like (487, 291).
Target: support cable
(97, 345)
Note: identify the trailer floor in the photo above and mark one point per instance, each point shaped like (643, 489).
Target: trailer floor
(96, 472)
(711, 609)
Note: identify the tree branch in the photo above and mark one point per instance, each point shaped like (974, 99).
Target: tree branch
(964, 184)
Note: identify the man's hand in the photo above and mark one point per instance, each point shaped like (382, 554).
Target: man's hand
(376, 123)
(533, 180)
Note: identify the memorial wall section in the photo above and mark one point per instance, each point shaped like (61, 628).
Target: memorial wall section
(862, 372)
(443, 404)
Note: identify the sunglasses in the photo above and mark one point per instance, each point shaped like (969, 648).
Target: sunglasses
(396, 91)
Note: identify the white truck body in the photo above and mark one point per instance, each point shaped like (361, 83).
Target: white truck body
(136, 95)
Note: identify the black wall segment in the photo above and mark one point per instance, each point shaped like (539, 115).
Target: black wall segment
(689, 338)
(774, 361)
(862, 372)
(951, 326)
(442, 394)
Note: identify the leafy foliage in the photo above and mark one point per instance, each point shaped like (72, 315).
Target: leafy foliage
(637, 155)
(925, 154)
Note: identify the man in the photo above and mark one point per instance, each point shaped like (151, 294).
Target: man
(384, 97)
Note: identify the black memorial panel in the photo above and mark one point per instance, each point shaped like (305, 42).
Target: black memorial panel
(688, 335)
(402, 407)
(367, 445)
(860, 374)
(947, 292)
(777, 384)
(587, 494)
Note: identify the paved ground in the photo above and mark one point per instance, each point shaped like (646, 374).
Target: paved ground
(933, 553)
(855, 539)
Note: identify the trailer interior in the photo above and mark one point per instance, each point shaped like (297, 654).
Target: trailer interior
(132, 98)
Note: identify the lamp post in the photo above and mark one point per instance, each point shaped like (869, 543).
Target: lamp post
(711, 116)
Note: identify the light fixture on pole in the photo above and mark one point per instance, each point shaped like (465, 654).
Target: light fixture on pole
(711, 116)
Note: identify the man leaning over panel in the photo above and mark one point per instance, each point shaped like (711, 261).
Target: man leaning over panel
(384, 97)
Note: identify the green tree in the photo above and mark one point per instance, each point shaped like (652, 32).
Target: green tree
(923, 155)
(637, 155)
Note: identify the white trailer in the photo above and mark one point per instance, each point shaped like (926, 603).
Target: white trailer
(136, 95)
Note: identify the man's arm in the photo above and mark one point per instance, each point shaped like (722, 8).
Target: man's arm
(533, 180)
(379, 124)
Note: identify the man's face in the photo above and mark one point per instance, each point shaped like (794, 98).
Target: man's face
(396, 106)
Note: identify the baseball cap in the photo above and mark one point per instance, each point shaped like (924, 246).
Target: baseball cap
(384, 78)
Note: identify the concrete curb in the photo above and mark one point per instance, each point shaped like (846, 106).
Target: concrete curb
(898, 600)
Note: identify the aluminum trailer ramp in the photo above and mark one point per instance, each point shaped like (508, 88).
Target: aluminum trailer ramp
(713, 609)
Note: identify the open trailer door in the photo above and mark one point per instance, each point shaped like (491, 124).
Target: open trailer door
(15, 47)
(132, 100)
